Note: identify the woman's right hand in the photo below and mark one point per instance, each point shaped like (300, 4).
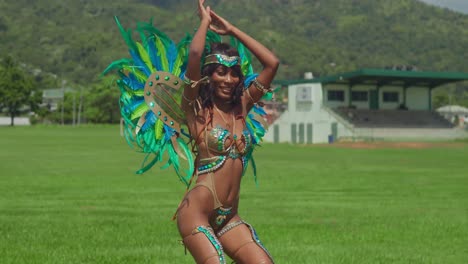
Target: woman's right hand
(204, 12)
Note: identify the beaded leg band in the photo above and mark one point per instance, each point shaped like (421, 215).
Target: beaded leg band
(252, 231)
(257, 240)
(208, 232)
(228, 227)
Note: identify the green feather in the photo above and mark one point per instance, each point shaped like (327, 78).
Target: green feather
(117, 65)
(127, 35)
(138, 93)
(182, 54)
(245, 55)
(162, 41)
(188, 154)
(149, 165)
(212, 37)
(138, 74)
(268, 96)
(141, 109)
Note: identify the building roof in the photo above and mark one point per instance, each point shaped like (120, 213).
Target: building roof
(453, 109)
(380, 77)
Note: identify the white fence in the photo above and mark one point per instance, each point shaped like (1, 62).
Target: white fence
(19, 121)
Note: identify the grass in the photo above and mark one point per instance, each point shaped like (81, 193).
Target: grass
(70, 195)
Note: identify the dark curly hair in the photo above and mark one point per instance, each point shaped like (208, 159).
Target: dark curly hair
(207, 90)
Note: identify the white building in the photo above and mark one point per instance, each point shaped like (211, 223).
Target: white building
(306, 119)
(368, 103)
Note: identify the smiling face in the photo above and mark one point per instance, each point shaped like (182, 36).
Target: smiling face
(225, 80)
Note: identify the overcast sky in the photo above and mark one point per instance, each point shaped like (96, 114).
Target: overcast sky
(457, 5)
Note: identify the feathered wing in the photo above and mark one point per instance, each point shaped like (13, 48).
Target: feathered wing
(256, 118)
(151, 89)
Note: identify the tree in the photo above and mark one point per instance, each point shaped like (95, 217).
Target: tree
(440, 100)
(17, 89)
(67, 106)
(102, 102)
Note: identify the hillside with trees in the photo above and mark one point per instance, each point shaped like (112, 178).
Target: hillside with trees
(75, 40)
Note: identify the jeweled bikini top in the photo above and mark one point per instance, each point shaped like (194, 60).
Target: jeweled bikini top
(219, 141)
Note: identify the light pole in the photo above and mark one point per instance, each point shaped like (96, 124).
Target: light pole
(63, 99)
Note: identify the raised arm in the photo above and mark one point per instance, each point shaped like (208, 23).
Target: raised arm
(193, 73)
(269, 61)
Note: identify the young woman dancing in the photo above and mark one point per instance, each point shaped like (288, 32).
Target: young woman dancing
(213, 91)
(216, 103)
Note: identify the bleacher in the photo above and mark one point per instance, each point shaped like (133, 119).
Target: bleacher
(393, 118)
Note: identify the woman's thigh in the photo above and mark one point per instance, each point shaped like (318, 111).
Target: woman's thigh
(197, 236)
(194, 210)
(242, 246)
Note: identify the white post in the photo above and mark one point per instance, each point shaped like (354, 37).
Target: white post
(80, 105)
(74, 109)
(63, 99)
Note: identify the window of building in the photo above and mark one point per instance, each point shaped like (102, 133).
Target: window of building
(359, 96)
(390, 97)
(335, 95)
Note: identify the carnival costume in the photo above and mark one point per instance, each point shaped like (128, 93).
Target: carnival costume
(151, 85)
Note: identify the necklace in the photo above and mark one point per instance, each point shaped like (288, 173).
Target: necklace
(222, 116)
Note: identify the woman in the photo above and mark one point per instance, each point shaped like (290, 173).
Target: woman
(216, 103)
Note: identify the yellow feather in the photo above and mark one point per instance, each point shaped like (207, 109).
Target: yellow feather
(145, 57)
(158, 129)
(162, 54)
(138, 74)
(141, 109)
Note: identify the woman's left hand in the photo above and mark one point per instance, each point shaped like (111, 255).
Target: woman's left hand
(219, 24)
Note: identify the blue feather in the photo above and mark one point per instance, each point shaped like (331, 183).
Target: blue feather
(134, 104)
(249, 79)
(252, 133)
(182, 72)
(150, 121)
(139, 63)
(258, 127)
(153, 53)
(259, 110)
(171, 53)
(169, 132)
(138, 84)
(132, 82)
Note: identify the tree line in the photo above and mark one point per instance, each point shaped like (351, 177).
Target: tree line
(20, 95)
(79, 39)
(52, 41)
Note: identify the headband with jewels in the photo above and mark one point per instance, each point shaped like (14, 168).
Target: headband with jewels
(222, 59)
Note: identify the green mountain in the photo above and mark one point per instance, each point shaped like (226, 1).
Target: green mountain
(76, 40)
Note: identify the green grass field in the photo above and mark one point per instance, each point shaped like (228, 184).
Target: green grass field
(70, 195)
